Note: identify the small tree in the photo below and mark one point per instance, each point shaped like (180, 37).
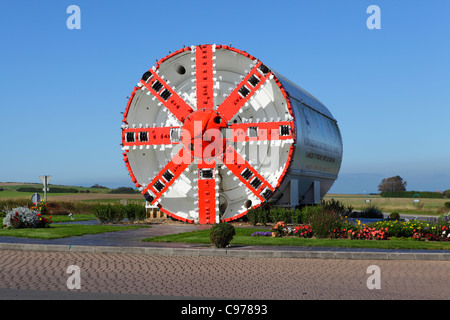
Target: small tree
(392, 184)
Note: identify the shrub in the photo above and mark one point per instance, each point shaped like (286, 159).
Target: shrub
(297, 217)
(107, 213)
(263, 216)
(258, 215)
(447, 204)
(394, 216)
(252, 216)
(323, 222)
(336, 206)
(372, 211)
(13, 203)
(221, 234)
(286, 215)
(275, 214)
(280, 214)
(129, 212)
(113, 213)
(307, 212)
(23, 217)
(134, 211)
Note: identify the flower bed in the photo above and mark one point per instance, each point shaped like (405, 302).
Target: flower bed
(303, 231)
(23, 217)
(261, 234)
(382, 230)
(367, 233)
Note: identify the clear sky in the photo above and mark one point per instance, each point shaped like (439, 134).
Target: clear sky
(63, 91)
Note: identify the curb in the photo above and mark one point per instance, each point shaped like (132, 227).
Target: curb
(229, 252)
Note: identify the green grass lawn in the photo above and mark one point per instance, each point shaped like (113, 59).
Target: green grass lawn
(76, 217)
(57, 231)
(243, 237)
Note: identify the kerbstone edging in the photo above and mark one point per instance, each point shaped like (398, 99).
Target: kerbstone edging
(229, 252)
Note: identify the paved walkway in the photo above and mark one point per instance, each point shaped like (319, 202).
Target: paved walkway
(118, 265)
(41, 275)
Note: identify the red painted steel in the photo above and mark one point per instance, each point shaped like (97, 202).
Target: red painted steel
(196, 125)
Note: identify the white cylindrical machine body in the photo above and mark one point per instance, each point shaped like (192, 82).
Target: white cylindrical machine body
(210, 132)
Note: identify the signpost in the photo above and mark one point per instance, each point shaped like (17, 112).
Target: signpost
(45, 180)
(416, 200)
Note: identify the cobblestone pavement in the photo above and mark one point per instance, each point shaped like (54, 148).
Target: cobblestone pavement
(222, 277)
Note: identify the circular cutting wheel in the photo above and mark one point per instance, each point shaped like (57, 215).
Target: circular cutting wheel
(208, 134)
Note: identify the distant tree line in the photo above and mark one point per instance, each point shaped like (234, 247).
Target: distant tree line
(395, 187)
(120, 190)
(51, 189)
(410, 194)
(124, 190)
(97, 186)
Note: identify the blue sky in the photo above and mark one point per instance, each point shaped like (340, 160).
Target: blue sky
(62, 90)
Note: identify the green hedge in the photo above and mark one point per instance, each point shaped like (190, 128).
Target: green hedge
(410, 194)
(305, 214)
(51, 189)
(275, 214)
(124, 190)
(113, 213)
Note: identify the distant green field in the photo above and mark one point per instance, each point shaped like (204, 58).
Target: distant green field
(428, 206)
(14, 189)
(11, 191)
